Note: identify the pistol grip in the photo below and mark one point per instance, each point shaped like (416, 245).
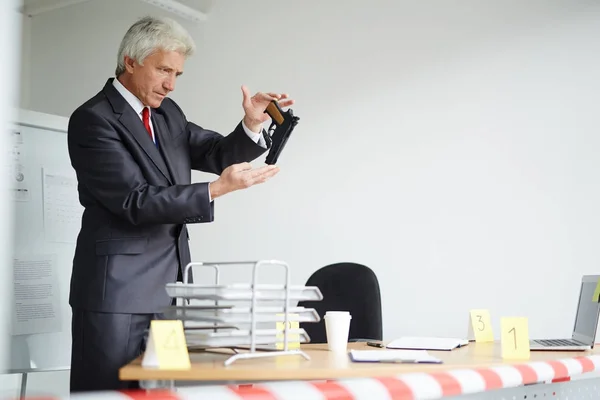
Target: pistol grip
(275, 112)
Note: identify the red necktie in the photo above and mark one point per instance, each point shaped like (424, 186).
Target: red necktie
(146, 118)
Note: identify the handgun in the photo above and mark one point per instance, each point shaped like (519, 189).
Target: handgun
(280, 130)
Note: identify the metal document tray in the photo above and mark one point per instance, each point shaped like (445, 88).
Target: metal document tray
(242, 292)
(206, 339)
(241, 314)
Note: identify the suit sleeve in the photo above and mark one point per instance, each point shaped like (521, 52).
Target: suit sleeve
(213, 152)
(108, 171)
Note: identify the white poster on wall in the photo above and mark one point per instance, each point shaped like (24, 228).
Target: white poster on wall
(62, 211)
(36, 295)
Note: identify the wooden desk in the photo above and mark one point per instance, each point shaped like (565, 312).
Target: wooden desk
(327, 365)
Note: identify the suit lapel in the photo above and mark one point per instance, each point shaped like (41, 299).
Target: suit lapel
(164, 143)
(135, 126)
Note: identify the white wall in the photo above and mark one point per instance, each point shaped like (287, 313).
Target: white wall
(450, 146)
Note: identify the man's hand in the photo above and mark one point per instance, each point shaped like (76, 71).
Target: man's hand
(240, 176)
(254, 107)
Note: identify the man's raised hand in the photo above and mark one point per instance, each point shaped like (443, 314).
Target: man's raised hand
(254, 107)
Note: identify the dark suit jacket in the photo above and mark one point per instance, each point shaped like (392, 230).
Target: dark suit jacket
(138, 198)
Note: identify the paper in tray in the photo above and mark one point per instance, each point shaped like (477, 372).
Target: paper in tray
(233, 338)
(241, 314)
(242, 292)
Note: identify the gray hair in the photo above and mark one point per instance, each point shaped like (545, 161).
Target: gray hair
(150, 34)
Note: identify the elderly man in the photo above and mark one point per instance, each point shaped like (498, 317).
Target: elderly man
(133, 151)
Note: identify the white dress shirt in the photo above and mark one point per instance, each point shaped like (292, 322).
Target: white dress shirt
(138, 107)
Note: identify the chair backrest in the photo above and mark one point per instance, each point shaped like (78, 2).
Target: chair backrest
(346, 287)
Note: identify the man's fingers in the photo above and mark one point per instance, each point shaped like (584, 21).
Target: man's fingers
(266, 96)
(265, 176)
(246, 95)
(279, 96)
(262, 174)
(270, 172)
(248, 177)
(262, 170)
(285, 103)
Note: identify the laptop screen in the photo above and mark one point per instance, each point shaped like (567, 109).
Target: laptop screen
(586, 320)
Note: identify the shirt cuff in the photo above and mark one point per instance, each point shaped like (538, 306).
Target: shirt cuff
(257, 138)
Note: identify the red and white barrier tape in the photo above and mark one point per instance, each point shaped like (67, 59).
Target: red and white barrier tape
(409, 386)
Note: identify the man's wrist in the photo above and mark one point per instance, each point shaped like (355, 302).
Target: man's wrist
(254, 126)
(216, 189)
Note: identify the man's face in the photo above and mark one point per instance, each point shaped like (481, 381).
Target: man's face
(154, 80)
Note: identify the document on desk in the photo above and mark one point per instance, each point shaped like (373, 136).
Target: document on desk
(426, 343)
(394, 356)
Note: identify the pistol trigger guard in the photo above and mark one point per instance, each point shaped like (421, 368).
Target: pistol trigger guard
(272, 128)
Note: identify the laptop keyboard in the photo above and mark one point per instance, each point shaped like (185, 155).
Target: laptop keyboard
(557, 342)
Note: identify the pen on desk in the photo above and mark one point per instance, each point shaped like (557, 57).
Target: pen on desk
(373, 344)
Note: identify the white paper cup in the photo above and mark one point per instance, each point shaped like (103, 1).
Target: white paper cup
(337, 326)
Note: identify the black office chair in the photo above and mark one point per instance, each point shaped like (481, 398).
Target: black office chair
(346, 287)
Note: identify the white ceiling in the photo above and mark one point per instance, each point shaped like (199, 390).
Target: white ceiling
(198, 9)
(200, 5)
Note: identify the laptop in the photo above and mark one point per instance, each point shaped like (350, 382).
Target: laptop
(586, 322)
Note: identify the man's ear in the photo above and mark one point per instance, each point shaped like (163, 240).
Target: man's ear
(129, 64)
